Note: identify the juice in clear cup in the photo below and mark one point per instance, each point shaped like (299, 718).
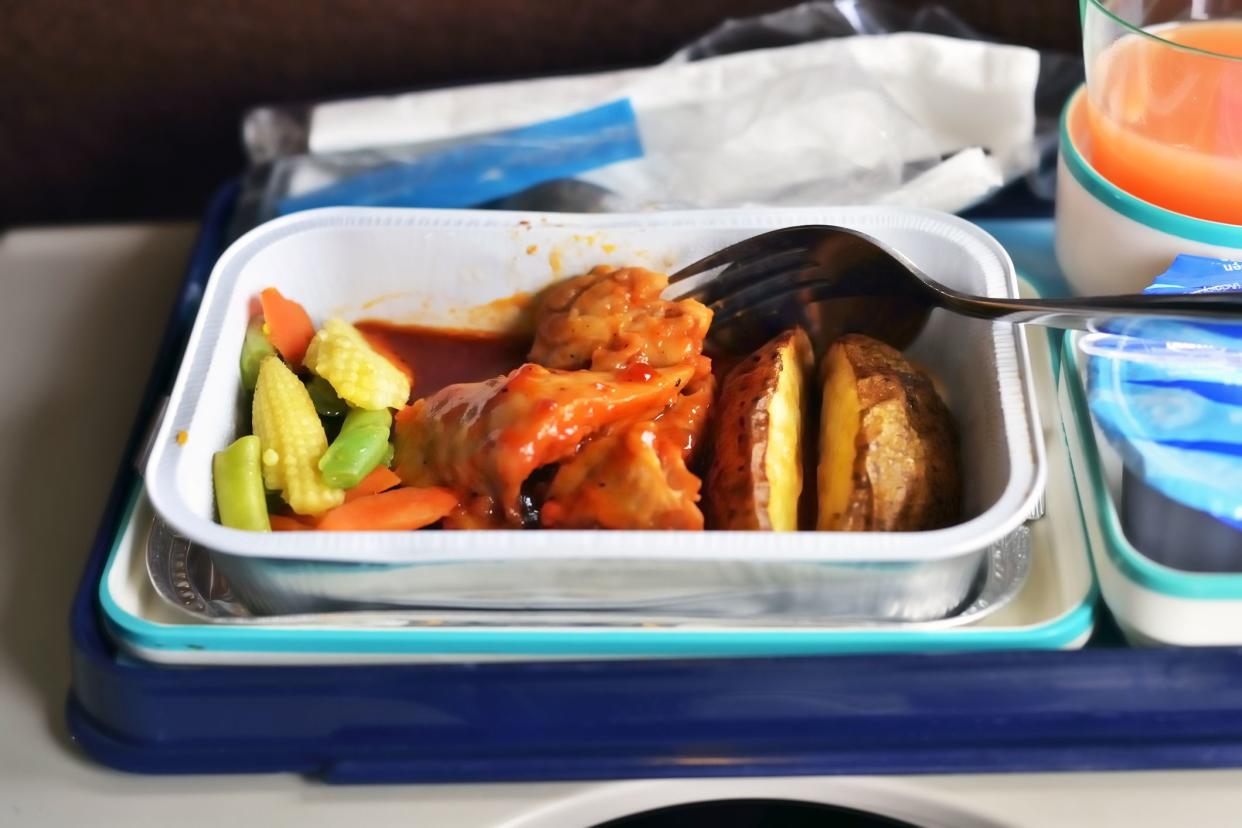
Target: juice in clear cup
(1163, 118)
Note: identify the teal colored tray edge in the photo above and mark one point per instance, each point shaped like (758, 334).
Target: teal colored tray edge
(1133, 564)
(137, 632)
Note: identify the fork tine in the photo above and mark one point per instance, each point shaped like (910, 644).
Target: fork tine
(785, 277)
(809, 289)
(752, 271)
(779, 277)
(786, 238)
(758, 297)
(773, 285)
(749, 317)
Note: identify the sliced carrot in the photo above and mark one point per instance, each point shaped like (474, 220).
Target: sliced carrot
(285, 523)
(394, 510)
(406, 412)
(381, 479)
(288, 324)
(382, 346)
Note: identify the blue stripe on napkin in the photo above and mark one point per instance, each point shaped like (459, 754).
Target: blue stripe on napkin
(490, 167)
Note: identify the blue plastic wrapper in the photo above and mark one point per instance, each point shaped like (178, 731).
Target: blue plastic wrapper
(489, 167)
(1168, 395)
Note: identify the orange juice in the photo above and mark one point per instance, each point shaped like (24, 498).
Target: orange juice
(1165, 123)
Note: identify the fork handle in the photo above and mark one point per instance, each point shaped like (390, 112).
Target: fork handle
(1079, 313)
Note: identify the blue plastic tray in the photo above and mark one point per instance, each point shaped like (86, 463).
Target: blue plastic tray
(934, 713)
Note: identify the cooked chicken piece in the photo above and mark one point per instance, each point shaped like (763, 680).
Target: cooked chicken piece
(620, 433)
(486, 438)
(633, 475)
(477, 512)
(608, 319)
(629, 478)
(685, 421)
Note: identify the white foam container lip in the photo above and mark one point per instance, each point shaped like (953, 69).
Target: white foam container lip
(450, 268)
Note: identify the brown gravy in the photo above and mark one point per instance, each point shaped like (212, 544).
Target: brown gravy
(445, 356)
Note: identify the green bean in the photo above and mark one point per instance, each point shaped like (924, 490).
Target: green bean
(238, 480)
(326, 401)
(358, 448)
(255, 347)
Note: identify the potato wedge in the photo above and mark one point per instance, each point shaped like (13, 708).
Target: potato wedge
(888, 448)
(755, 476)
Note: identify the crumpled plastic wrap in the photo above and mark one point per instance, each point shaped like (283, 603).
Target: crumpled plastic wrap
(909, 118)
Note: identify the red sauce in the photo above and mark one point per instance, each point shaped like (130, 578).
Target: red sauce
(637, 372)
(444, 356)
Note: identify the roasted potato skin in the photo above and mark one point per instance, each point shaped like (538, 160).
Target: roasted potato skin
(738, 491)
(905, 474)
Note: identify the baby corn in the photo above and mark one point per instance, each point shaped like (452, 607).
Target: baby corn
(292, 440)
(362, 377)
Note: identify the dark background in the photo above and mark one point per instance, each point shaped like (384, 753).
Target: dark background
(131, 108)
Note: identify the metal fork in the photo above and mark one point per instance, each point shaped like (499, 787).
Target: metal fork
(834, 280)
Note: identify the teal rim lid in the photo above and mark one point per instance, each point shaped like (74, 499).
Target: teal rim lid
(1132, 207)
(1133, 564)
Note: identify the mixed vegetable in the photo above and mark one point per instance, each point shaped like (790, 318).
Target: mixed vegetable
(306, 385)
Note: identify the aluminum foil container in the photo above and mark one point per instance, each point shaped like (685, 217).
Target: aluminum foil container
(458, 269)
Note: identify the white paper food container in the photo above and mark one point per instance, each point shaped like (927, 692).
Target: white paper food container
(443, 268)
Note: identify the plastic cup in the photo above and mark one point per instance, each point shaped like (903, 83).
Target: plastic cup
(1164, 107)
